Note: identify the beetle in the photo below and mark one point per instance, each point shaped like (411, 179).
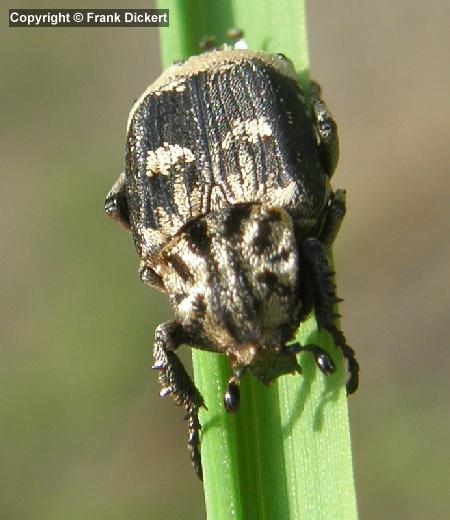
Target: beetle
(226, 192)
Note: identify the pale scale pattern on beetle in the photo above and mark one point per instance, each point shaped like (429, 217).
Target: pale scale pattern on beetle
(166, 157)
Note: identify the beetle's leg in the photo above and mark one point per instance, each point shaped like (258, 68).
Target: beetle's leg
(116, 205)
(237, 36)
(323, 360)
(207, 44)
(150, 277)
(176, 381)
(324, 297)
(232, 396)
(349, 354)
(334, 215)
(326, 130)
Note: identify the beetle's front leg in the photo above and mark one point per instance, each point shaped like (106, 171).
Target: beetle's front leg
(175, 381)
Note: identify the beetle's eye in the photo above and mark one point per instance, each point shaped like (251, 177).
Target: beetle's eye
(231, 398)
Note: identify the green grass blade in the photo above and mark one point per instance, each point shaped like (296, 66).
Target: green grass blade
(287, 453)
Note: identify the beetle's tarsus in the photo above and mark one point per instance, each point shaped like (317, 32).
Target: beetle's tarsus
(324, 298)
(323, 360)
(349, 355)
(232, 396)
(194, 444)
(175, 381)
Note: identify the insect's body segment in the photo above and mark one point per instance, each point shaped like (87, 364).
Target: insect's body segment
(226, 192)
(232, 277)
(220, 131)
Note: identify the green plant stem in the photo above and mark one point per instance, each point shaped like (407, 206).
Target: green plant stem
(286, 454)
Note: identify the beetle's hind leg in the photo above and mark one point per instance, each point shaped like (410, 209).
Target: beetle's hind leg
(326, 129)
(176, 381)
(324, 298)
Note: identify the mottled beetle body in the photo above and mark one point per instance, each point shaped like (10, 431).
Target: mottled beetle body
(226, 192)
